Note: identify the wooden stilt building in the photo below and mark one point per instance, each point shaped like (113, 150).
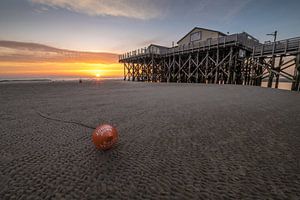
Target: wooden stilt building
(208, 56)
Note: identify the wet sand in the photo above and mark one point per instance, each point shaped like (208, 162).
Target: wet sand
(177, 141)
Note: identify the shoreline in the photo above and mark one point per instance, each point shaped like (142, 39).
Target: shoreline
(21, 80)
(282, 85)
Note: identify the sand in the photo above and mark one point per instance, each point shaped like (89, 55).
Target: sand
(177, 141)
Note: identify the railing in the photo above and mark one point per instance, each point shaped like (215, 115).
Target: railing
(240, 38)
(142, 51)
(282, 46)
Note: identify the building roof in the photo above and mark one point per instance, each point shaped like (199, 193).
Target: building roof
(251, 37)
(159, 46)
(201, 29)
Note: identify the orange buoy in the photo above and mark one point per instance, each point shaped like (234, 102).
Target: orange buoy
(105, 136)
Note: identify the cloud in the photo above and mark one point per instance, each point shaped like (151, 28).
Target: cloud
(148, 9)
(139, 9)
(12, 51)
(42, 9)
(236, 6)
(217, 10)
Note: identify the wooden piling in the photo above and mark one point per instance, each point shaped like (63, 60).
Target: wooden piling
(296, 82)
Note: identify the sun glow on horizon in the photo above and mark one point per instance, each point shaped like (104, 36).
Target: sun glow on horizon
(45, 69)
(19, 59)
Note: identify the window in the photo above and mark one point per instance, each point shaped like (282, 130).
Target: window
(196, 36)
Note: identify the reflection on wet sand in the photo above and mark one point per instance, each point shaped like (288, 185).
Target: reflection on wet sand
(282, 85)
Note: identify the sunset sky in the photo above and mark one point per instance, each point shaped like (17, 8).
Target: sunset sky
(81, 38)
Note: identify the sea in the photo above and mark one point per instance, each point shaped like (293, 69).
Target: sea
(54, 79)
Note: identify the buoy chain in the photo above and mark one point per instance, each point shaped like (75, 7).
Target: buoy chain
(63, 121)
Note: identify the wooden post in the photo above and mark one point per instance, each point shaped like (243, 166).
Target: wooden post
(137, 69)
(296, 82)
(169, 70)
(179, 66)
(149, 70)
(166, 66)
(133, 72)
(197, 71)
(189, 72)
(152, 68)
(217, 67)
(259, 71)
(278, 70)
(248, 67)
(271, 74)
(229, 78)
(206, 68)
(129, 73)
(234, 81)
(253, 67)
(144, 68)
(173, 68)
(124, 71)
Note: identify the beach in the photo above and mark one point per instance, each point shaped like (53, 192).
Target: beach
(177, 141)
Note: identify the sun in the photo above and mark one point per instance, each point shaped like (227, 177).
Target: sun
(97, 75)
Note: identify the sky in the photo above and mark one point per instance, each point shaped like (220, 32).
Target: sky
(42, 38)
